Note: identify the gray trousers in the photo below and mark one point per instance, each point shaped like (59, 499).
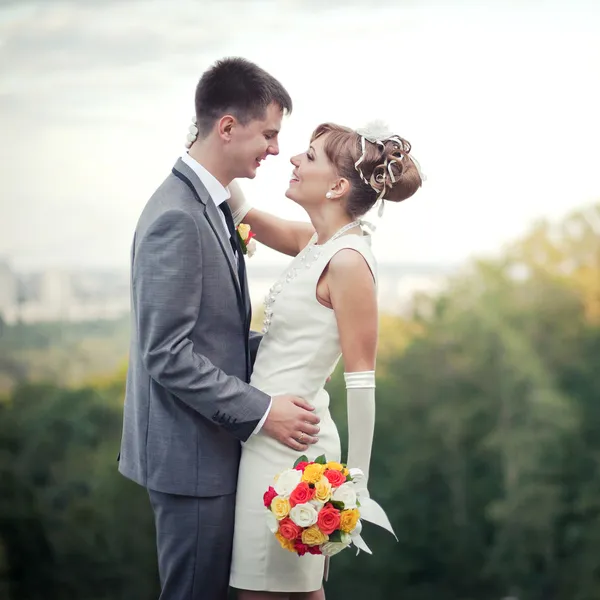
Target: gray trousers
(194, 537)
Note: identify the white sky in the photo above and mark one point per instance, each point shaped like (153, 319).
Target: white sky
(499, 100)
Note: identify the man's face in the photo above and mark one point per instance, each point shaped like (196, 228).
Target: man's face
(250, 144)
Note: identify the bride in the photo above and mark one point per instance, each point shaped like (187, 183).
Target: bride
(322, 308)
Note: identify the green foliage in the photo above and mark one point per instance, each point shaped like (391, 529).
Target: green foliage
(63, 353)
(486, 457)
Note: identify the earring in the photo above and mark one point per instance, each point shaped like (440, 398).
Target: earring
(329, 195)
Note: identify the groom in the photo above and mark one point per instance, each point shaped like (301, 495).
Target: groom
(188, 404)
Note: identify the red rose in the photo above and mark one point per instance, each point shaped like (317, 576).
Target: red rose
(289, 530)
(302, 494)
(335, 478)
(301, 548)
(314, 550)
(301, 466)
(268, 496)
(329, 519)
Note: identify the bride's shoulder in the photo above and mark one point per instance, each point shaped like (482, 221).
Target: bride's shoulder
(351, 264)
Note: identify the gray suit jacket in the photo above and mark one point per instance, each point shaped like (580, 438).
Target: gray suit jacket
(188, 404)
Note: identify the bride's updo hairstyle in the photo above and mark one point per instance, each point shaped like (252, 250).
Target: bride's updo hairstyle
(377, 165)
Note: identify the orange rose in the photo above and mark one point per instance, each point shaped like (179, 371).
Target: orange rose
(329, 519)
(336, 478)
(289, 530)
(302, 494)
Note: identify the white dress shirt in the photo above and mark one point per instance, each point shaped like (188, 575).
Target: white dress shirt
(218, 194)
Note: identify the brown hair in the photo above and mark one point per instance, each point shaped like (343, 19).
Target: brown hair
(343, 149)
(238, 87)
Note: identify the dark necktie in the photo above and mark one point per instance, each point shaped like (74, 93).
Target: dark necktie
(230, 226)
(237, 250)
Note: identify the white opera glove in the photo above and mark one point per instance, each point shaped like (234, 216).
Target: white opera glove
(238, 204)
(360, 392)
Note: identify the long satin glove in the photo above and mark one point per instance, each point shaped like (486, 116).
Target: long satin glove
(238, 204)
(360, 390)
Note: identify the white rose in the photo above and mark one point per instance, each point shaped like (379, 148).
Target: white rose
(251, 247)
(287, 482)
(304, 515)
(318, 505)
(357, 475)
(272, 522)
(332, 548)
(346, 494)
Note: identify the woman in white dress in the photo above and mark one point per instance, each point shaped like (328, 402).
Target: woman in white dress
(322, 308)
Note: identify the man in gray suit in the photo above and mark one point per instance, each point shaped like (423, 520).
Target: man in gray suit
(188, 403)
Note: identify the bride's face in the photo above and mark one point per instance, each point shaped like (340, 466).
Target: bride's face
(313, 175)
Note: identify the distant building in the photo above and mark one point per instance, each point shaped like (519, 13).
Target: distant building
(87, 295)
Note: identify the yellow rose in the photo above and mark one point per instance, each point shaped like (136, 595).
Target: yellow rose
(349, 519)
(285, 544)
(313, 536)
(312, 473)
(280, 507)
(323, 490)
(243, 230)
(345, 472)
(335, 466)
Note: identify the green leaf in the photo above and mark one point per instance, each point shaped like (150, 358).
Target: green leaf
(321, 460)
(242, 243)
(302, 458)
(336, 536)
(337, 504)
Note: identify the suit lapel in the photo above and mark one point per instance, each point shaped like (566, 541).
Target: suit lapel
(211, 212)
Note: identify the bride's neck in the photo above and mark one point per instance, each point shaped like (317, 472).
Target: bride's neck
(327, 222)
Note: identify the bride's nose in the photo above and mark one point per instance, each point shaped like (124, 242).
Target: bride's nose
(294, 160)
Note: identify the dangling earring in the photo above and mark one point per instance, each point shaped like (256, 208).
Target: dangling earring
(329, 195)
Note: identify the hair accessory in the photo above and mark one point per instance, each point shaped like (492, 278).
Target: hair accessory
(378, 133)
(192, 133)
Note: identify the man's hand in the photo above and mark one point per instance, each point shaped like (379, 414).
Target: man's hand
(292, 422)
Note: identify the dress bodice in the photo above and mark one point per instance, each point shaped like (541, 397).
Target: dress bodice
(301, 346)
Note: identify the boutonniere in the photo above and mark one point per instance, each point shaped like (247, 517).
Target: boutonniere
(245, 234)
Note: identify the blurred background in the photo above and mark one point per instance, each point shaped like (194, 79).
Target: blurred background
(487, 450)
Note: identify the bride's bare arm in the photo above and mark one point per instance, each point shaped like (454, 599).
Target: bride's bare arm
(353, 297)
(287, 237)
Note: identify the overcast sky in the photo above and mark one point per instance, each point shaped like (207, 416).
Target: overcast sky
(499, 100)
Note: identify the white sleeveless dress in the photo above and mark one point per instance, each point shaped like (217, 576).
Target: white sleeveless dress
(297, 354)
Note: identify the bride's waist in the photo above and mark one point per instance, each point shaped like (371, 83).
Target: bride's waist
(318, 398)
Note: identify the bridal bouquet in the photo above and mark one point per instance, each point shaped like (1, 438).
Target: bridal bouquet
(313, 508)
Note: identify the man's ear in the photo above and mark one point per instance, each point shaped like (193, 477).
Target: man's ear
(225, 127)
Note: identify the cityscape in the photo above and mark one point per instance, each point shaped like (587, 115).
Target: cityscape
(103, 294)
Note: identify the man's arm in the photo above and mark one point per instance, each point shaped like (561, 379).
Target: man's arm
(254, 341)
(167, 290)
